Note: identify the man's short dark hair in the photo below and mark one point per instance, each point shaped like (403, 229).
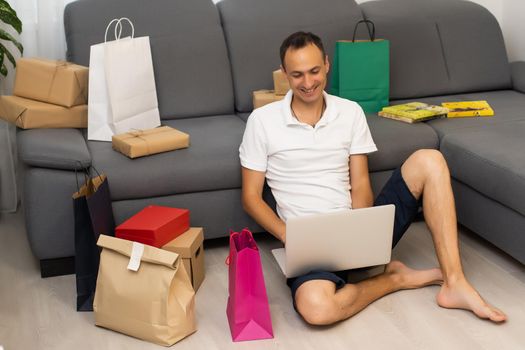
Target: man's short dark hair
(298, 40)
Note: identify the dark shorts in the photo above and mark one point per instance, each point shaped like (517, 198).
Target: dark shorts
(394, 192)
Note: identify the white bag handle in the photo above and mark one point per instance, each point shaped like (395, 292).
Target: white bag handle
(119, 25)
(118, 28)
(107, 28)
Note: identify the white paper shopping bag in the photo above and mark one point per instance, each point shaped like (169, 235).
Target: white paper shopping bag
(122, 94)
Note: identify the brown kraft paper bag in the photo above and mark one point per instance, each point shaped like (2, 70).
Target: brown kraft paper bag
(144, 292)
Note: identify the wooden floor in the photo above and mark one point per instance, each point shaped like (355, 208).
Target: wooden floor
(40, 313)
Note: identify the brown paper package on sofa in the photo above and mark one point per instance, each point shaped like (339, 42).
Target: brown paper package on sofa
(154, 303)
(57, 82)
(189, 246)
(30, 114)
(280, 83)
(263, 97)
(151, 141)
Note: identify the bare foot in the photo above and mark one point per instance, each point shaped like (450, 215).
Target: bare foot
(409, 278)
(461, 295)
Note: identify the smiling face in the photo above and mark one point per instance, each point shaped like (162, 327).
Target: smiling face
(306, 70)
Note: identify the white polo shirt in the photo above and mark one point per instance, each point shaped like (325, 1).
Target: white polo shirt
(306, 167)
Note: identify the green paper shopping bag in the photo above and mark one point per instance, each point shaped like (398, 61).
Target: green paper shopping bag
(361, 71)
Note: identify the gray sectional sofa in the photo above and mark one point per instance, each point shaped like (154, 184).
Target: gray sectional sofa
(209, 58)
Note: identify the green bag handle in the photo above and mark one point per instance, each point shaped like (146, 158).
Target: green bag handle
(371, 33)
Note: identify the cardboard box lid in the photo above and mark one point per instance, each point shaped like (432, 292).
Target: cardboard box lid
(187, 243)
(152, 217)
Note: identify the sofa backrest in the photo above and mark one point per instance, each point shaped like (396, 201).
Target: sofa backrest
(440, 47)
(255, 29)
(190, 59)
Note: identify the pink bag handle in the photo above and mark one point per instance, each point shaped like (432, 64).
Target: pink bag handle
(228, 258)
(247, 241)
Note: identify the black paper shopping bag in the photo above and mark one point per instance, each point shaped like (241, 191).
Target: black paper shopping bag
(93, 216)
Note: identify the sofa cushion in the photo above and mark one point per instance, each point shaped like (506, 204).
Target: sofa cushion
(53, 148)
(243, 116)
(255, 29)
(433, 43)
(396, 141)
(491, 161)
(189, 53)
(508, 105)
(210, 163)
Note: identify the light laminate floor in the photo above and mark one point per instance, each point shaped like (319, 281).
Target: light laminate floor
(40, 313)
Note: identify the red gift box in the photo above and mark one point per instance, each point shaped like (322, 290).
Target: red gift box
(155, 225)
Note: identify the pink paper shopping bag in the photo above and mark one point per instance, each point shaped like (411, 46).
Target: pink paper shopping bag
(248, 309)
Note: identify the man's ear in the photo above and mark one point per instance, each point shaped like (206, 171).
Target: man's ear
(282, 69)
(326, 63)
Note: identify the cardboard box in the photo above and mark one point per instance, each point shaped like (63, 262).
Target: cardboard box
(189, 246)
(30, 114)
(151, 141)
(280, 83)
(57, 82)
(263, 97)
(155, 225)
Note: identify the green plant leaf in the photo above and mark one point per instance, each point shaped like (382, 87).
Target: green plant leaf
(6, 36)
(8, 54)
(5, 7)
(3, 68)
(9, 16)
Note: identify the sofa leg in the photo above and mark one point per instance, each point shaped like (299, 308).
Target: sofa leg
(57, 267)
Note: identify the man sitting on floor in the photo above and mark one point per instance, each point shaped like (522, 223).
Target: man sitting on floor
(312, 149)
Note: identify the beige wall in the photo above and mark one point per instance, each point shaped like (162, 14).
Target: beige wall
(513, 14)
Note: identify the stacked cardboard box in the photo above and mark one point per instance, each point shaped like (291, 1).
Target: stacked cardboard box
(141, 288)
(189, 246)
(169, 229)
(280, 83)
(281, 87)
(47, 94)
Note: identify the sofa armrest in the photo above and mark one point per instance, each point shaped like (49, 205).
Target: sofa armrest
(518, 75)
(53, 148)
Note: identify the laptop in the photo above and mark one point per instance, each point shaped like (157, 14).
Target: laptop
(336, 241)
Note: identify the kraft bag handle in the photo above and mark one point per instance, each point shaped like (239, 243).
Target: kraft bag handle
(372, 33)
(90, 176)
(84, 171)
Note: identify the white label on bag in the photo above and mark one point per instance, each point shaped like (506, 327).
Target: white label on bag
(136, 255)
